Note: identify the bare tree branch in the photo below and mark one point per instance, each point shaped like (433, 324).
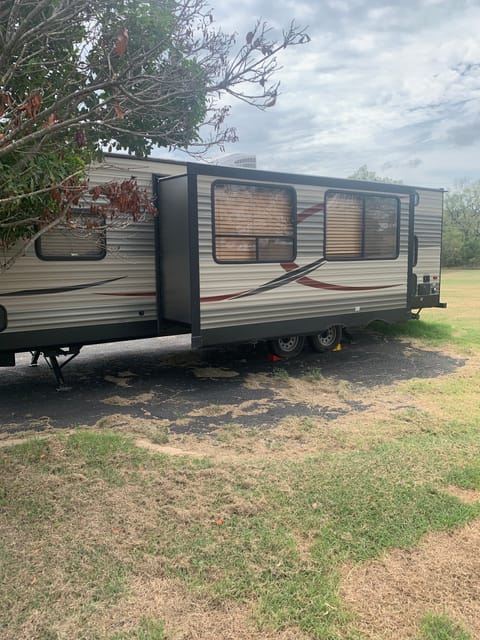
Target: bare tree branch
(77, 75)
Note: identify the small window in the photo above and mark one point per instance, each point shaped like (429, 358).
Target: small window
(83, 239)
(361, 227)
(253, 223)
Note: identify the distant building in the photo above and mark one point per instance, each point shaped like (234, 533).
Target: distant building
(242, 160)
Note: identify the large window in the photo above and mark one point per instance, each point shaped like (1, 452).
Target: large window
(253, 223)
(83, 239)
(361, 227)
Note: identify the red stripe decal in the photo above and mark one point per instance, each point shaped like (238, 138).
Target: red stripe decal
(316, 284)
(306, 213)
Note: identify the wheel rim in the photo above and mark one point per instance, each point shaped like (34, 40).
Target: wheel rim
(288, 344)
(328, 337)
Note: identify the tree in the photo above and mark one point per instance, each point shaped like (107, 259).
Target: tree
(363, 173)
(77, 77)
(461, 231)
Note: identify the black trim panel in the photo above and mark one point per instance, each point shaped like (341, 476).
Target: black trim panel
(194, 254)
(294, 179)
(77, 336)
(158, 262)
(7, 359)
(308, 326)
(411, 277)
(421, 302)
(3, 318)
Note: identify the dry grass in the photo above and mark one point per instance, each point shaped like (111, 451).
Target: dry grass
(390, 596)
(222, 529)
(185, 616)
(247, 408)
(305, 390)
(212, 372)
(141, 398)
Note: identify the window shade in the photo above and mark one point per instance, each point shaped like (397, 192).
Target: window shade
(253, 223)
(82, 241)
(361, 226)
(343, 227)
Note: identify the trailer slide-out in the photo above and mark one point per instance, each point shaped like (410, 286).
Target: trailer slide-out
(234, 255)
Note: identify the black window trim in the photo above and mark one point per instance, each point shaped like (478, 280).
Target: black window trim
(364, 196)
(70, 258)
(3, 318)
(284, 187)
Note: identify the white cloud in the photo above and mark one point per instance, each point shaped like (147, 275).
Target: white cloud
(392, 85)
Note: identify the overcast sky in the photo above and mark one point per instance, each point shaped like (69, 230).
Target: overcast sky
(394, 85)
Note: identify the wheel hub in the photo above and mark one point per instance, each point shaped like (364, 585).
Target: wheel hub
(288, 344)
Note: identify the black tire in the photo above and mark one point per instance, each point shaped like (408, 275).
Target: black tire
(287, 347)
(327, 340)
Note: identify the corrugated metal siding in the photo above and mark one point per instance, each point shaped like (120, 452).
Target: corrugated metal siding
(428, 229)
(130, 257)
(295, 300)
(113, 169)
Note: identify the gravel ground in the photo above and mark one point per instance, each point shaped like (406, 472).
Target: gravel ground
(162, 378)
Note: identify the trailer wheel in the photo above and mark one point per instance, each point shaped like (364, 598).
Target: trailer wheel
(287, 347)
(327, 340)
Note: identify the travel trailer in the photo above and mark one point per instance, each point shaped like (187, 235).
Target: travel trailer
(234, 255)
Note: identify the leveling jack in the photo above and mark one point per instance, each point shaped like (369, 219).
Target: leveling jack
(51, 358)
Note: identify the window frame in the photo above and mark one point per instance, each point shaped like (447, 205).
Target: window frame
(70, 258)
(363, 195)
(293, 218)
(3, 318)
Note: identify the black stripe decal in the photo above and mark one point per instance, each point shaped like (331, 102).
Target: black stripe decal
(42, 292)
(286, 278)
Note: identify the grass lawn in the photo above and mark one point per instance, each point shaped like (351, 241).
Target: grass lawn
(371, 533)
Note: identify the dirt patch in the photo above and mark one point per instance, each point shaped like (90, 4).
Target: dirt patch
(213, 372)
(186, 617)
(305, 390)
(469, 496)
(247, 408)
(130, 424)
(391, 596)
(142, 398)
(118, 381)
(165, 449)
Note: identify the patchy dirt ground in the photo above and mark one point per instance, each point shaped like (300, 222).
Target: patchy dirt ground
(391, 595)
(162, 383)
(234, 404)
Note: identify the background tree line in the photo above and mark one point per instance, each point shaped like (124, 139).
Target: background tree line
(461, 226)
(461, 220)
